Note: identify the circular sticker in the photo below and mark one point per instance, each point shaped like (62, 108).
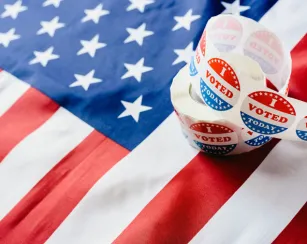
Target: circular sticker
(267, 113)
(213, 138)
(220, 88)
(226, 33)
(202, 43)
(254, 139)
(265, 48)
(301, 129)
(193, 70)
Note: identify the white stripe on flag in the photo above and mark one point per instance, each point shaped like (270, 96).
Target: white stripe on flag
(33, 157)
(265, 204)
(288, 20)
(10, 90)
(124, 191)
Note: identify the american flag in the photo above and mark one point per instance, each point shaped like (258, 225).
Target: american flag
(90, 148)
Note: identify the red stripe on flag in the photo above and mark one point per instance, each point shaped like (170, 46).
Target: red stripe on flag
(191, 198)
(46, 206)
(29, 112)
(298, 84)
(295, 232)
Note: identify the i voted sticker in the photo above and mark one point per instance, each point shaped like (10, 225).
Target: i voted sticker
(267, 113)
(254, 139)
(265, 48)
(213, 138)
(193, 70)
(226, 33)
(220, 88)
(301, 129)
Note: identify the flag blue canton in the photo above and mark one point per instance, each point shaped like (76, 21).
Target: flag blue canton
(108, 62)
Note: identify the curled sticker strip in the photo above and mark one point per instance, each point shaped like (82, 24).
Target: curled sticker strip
(228, 73)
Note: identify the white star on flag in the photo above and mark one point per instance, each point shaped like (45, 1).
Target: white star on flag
(91, 46)
(134, 109)
(136, 70)
(185, 21)
(6, 38)
(139, 4)
(13, 10)
(184, 55)
(50, 27)
(94, 14)
(85, 80)
(44, 57)
(138, 34)
(234, 8)
(55, 3)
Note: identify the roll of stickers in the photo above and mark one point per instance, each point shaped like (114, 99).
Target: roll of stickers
(221, 97)
(204, 129)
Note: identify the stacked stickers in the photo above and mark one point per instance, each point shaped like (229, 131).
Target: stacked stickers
(221, 97)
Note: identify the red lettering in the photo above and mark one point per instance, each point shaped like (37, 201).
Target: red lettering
(255, 46)
(227, 138)
(232, 37)
(223, 90)
(283, 120)
(212, 139)
(265, 52)
(251, 107)
(267, 114)
(229, 94)
(226, 92)
(204, 138)
(224, 36)
(259, 111)
(217, 85)
(198, 136)
(208, 74)
(275, 117)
